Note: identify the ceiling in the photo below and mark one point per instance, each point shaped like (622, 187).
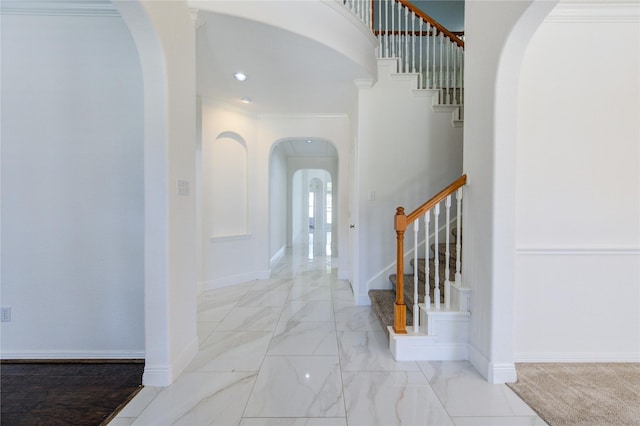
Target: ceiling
(287, 73)
(302, 148)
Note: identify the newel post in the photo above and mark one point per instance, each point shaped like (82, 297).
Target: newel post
(400, 309)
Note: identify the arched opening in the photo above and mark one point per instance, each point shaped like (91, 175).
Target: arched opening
(303, 197)
(312, 212)
(165, 40)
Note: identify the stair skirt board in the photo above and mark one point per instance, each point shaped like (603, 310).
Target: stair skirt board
(420, 347)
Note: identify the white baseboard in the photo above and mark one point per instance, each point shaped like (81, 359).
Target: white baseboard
(495, 373)
(165, 374)
(233, 280)
(479, 361)
(344, 274)
(157, 375)
(276, 257)
(500, 373)
(363, 300)
(109, 354)
(577, 357)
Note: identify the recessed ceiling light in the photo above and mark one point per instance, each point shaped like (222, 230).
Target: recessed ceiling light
(240, 76)
(245, 99)
(308, 141)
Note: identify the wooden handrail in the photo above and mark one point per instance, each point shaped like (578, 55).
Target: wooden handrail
(433, 22)
(462, 180)
(401, 221)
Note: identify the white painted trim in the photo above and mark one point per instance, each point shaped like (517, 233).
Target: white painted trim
(577, 357)
(276, 257)
(420, 347)
(233, 280)
(344, 274)
(363, 300)
(108, 354)
(157, 375)
(501, 373)
(297, 116)
(595, 12)
(102, 8)
(227, 238)
(578, 251)
(479, 361)
(496, 373)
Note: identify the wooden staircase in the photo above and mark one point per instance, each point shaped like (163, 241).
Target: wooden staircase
(433, 326)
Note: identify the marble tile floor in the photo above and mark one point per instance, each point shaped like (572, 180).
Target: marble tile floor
(295, 350)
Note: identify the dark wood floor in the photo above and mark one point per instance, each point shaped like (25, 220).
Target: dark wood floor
(78, 393)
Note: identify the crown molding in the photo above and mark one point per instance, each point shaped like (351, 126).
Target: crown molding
(597, 11)
(58, 7)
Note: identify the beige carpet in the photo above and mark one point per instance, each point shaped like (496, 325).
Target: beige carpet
(598, 394)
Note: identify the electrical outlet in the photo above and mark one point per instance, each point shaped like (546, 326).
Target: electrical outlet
(5, 314)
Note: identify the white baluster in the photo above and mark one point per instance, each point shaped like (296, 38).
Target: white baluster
(447, 71)
(458, 237)
(461, 76)
(416, 311)
(422, 85)
(393, 28)
(427, 298)
(427, 59)
(455, 73)
(441, 63)
(447, 254)
(405, 29)
(413, 43)
(436, 259)
(434, 54)
(386, 27)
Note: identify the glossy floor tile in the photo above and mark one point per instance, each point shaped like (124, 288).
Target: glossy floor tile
(295, 350)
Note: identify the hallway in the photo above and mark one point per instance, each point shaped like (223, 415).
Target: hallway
(295, 350)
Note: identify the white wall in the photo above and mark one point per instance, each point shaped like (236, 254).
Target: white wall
(493, 54)
(278, 212)
(406, 154)
(230, 257)
(577, 282)
(165, 38)
(238, 258)
(72, 188)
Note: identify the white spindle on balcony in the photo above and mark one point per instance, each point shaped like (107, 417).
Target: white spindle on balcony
(361, 8)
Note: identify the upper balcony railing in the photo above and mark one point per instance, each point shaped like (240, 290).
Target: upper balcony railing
(421, 44)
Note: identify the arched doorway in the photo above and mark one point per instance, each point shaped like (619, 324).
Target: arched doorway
(312, 212)
(303, 196)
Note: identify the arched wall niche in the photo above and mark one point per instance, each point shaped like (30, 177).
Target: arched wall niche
(229, 167)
